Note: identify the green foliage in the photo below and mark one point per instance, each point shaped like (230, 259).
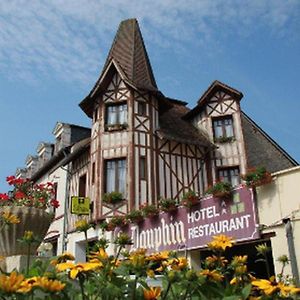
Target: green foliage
(257, 176)
(167, 204)
(220, 189)
(112, 198)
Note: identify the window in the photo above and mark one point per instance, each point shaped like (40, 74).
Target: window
(116, 114)
(231, 175)
(223, 127)
(142, 109)
(143, 168)
(116, 176)
(93, 172)
(82, 186)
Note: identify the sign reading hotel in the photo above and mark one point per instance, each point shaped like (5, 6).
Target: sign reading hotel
(80, 205)
(194, 228)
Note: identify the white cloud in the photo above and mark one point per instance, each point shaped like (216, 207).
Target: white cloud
(68, 38)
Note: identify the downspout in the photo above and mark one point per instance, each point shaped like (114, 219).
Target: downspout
(291, 248)
(65, 223)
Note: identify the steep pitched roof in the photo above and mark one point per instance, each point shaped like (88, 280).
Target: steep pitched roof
(173, 127)
(212, 89)
(128, 54)
(262, 150)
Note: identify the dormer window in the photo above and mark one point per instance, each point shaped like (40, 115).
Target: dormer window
(223, 129)
(116, 117)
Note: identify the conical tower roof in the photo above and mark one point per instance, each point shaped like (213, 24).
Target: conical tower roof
(128, 53)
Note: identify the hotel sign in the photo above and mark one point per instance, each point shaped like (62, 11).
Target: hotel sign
(194, 228)
(80, 205)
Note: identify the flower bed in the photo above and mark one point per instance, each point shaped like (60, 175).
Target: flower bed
(126, 276)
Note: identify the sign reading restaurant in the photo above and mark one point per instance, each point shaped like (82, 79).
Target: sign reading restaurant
(194, 228)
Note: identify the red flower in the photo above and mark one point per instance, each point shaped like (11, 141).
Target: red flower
(54, 203)
(19, 195)
(4, 197)
(10, 179)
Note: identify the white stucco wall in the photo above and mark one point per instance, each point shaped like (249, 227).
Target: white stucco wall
(275, 202)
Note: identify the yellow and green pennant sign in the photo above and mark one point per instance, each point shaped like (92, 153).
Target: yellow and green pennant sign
(80, 205)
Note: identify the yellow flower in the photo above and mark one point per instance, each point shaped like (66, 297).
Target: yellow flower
(164, 255)
(213, 275)
(179, 263)
(100, 255)
(239, 259)
(82, 225)
(270, 287)
(214, 260)
(77, 268)
(262, 249)
(27, 285)
(234, 281)
(220, 242)
(62, 258)
(150, 273)
(163, 266)
(10, 283)
(9, 218)
(28, 236)
(152, 294)
(50, 285)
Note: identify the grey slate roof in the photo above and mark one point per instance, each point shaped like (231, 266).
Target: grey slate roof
(173, 127)
(262, 150)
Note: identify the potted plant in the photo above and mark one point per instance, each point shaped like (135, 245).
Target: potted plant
(224, 139)
(149, 210)
(29, 202)
(168, 205)
(135, 216)
(116, 127)
(257, 176)
(116, 221)
(221, 189)
(189, 199)
(112, 198)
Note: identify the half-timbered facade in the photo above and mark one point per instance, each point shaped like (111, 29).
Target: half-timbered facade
(148, 146)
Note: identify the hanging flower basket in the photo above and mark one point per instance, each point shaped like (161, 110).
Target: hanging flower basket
(32, 219)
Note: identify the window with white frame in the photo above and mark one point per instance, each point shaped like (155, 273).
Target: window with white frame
(115, 174)
(231, 175)
(116, 114)
(223, 127)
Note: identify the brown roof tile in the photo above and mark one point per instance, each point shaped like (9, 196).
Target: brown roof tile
(129, 53)
(173, 127)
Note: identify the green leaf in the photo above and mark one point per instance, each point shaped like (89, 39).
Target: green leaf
(246, 291)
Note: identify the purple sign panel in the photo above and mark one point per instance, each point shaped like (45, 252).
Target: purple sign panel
(194, 228)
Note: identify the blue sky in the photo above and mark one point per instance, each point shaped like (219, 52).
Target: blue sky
(51, 53)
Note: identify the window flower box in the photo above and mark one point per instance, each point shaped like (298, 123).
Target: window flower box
(149, 210)
(225, 139)
(112, 198)
(220, 190)
(257, 176)
(135, 216)
(189, 199)
(168, 205)
(116, 127)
